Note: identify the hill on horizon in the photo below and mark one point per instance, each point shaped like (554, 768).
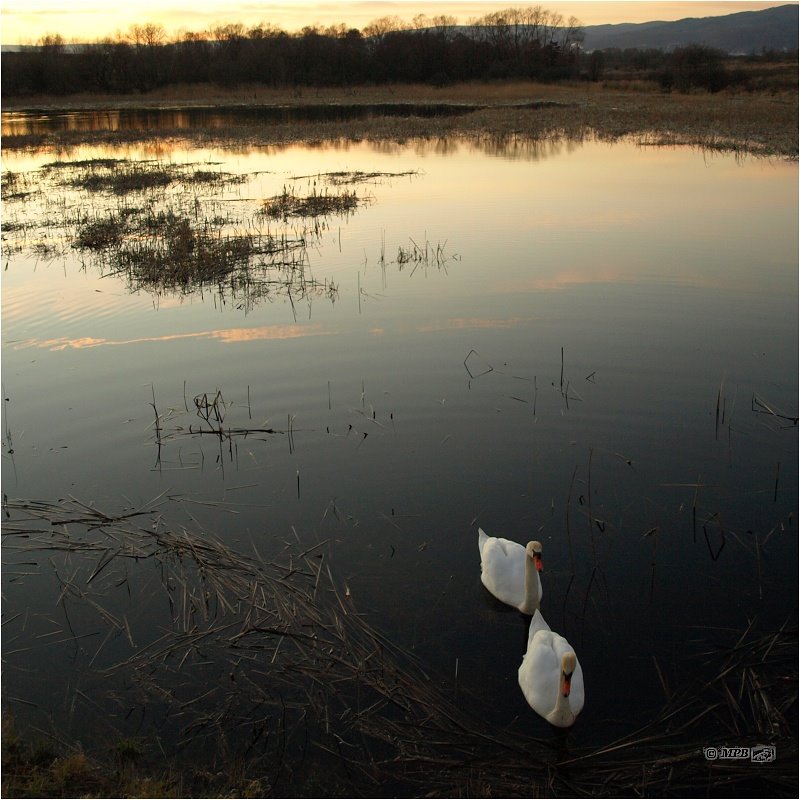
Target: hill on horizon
(743, 32)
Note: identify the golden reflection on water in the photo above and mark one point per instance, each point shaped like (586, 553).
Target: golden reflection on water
(225, 335)
(576, 214)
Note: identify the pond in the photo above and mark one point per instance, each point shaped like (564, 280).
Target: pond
(590, 344)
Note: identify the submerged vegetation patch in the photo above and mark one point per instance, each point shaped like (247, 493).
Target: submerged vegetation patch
(100, 234)
(121, 176)
(152, 227)
(288, 204)
(15, 186)
(184, 228)
(168, 251)
(346, 178)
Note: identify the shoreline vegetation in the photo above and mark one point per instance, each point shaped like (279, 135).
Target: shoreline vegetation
(755, 123)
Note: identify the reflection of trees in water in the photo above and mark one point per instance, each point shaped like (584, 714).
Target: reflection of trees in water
(518, 147)
(512, 146)
(157, 119)
(273, 130)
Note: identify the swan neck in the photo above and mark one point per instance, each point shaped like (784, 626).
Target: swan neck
(561, 715)
(531, 600)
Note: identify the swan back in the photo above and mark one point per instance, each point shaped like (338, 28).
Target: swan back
(510, 571)
(548, 661)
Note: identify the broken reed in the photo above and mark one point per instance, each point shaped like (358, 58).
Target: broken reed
(347, 178)
(426, 255)
(282, 654)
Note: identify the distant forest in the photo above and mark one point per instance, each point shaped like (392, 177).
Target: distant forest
(516, 43)
(522, 43)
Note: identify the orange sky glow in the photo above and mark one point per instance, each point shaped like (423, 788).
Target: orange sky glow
(26, 21)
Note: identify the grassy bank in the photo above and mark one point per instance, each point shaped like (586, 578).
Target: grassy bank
(760, 123)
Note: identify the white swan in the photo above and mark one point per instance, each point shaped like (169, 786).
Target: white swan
(511, 572)
(550, 676)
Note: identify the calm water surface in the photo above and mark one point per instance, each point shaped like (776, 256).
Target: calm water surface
(585, 358)
(24, 123)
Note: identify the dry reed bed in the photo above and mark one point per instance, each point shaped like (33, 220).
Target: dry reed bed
(256, 654)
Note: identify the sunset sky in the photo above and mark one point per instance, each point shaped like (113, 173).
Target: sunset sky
(25, 21)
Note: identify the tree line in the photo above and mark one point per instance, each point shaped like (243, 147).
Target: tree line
(522, 43)
(530, 43)
(695, 67)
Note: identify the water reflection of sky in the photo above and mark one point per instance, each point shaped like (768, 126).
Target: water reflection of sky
(597, 214)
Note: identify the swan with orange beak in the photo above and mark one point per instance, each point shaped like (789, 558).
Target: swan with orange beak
(511, 572)
(550, 676)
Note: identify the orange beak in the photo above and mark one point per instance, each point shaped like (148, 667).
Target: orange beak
(566, 683)
(537, 560)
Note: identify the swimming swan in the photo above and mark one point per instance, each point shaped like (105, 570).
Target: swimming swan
(550, 676)
(511, 572)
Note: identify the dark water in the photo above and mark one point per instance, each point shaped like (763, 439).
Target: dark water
(24, 123)
(603, 357)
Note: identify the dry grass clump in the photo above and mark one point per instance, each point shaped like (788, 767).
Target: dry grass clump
(122, 176)
(166, 250)
(100, 234)
(288, 204)
(134, 178)
(15, 185)
(426, 254)
(181, 256)
(39, 767)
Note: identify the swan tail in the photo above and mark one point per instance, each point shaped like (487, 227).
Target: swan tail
(482, 539)
(538, 623)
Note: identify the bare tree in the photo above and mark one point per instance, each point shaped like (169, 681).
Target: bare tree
(52, 43)
(378, 28)
(147, 35)
(571, 33)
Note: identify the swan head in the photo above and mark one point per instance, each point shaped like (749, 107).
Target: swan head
(568, 664)
(534, 552)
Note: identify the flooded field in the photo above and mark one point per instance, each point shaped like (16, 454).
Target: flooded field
(257, 403)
